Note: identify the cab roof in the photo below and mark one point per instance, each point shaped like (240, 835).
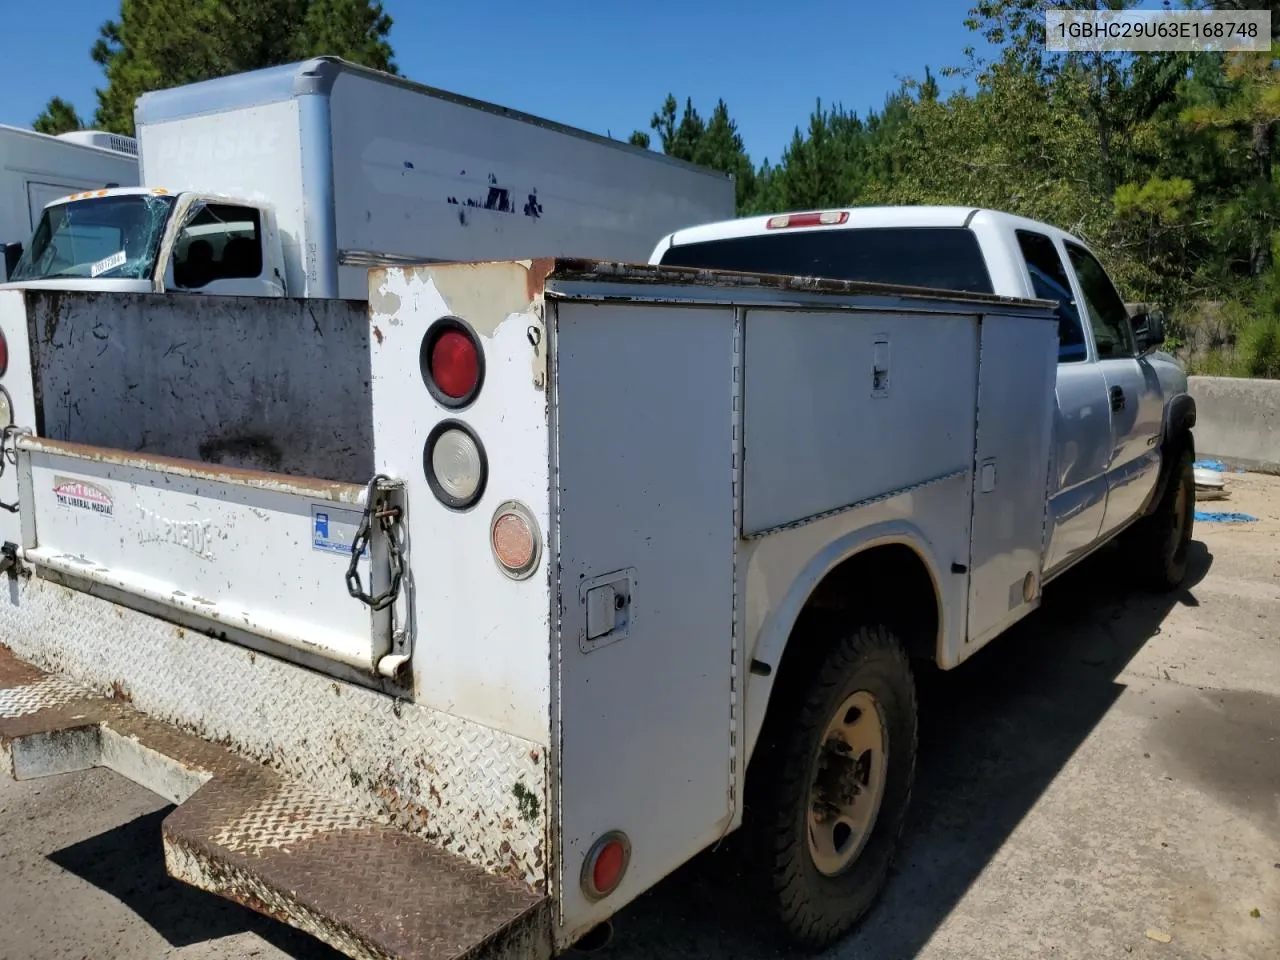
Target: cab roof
(853, 218)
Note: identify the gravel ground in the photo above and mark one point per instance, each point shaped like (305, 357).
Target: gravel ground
(1103, 781)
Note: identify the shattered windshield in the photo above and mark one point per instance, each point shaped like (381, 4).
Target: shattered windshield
(97, 237)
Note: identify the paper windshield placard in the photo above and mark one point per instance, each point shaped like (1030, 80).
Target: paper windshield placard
(108, 263)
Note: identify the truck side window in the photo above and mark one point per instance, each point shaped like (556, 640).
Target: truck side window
(222, 242)
(1049, 282)
(1107, 314)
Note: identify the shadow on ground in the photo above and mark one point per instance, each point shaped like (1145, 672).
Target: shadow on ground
(127, 863)
(993, 734)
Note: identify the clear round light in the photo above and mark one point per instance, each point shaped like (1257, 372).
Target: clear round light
(455, 461)
(6, 409)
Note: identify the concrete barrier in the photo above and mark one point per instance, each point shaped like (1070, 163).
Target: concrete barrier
(1238, 421)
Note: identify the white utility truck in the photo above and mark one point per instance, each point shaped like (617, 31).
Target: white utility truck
(294, 180)
(561, 572)
(36, 168)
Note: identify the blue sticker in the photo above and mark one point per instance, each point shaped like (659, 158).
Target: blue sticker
(333, 529)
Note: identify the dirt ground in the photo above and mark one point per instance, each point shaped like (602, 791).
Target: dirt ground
(1103, 781)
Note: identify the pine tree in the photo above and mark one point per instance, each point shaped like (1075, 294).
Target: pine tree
(149, 48)
(58, 117)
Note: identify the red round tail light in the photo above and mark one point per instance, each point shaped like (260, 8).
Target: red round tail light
(455, 364)
(451, 362)
(606, 864)
(4, 355)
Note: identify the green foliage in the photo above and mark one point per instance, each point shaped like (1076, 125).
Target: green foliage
(1163, 163)
(713, 143)
(58, 117)
(149, 47)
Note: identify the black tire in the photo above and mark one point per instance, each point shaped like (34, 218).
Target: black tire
(1158, 544)
(816, 908)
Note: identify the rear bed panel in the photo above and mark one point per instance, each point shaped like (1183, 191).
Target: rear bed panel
(265, 383)
(432, 774)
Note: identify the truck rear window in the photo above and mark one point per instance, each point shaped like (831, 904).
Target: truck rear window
(944, 258)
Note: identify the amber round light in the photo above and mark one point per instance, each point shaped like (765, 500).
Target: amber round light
(512, 541)
(513, 536)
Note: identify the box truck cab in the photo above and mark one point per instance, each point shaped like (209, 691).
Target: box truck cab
(146, 239)
(36, 168)
(294, 180)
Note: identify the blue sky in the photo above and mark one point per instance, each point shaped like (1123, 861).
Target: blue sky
(604, 66)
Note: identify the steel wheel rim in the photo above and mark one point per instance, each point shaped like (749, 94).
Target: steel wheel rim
(848, 784)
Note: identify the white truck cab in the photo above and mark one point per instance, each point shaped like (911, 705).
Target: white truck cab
(149, 240)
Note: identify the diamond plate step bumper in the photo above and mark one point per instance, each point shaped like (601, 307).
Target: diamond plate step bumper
(245, 833)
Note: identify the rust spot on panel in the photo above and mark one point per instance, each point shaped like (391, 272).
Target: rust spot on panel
(301, 486)
(120, 692)
(536, 276)
(483, 294)
(377, 334)
(577, 269)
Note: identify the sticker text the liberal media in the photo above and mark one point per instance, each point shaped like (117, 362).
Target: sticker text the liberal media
(81, 495)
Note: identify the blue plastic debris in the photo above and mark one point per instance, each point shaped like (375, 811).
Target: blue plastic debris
(1208, 516)
(1217, 465)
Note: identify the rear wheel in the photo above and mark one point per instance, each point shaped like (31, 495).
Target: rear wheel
(841, 777)
(1160, 544)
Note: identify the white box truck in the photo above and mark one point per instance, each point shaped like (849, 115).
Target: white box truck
(36, 168)
(293, 180)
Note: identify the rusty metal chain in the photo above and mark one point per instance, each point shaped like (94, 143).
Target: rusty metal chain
(9, 454)
(387, 517)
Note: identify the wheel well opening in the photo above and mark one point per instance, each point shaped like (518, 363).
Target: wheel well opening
(889, 584)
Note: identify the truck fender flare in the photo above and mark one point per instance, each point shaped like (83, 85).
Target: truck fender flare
(775, 632)
(1179, 415)
(1175, 432)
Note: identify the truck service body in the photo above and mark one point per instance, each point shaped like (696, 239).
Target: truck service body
(599, 558)
(36, 168)
(312, 172)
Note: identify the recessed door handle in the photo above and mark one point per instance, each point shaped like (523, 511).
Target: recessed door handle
(1117, 398)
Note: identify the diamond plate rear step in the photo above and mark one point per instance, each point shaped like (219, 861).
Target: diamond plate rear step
(245, 833)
